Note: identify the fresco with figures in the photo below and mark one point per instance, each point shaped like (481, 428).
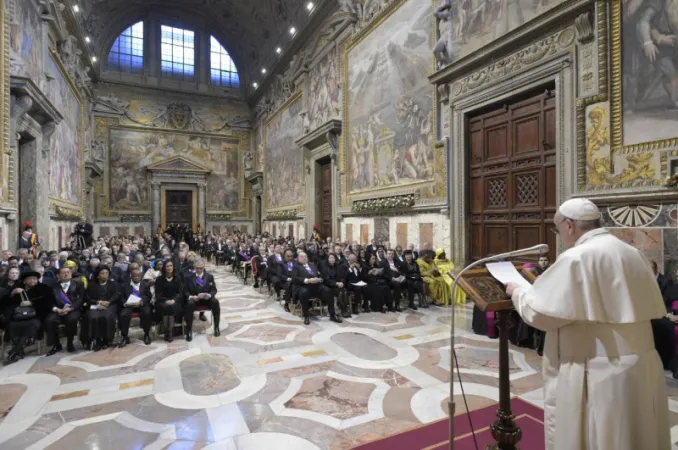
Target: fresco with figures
(25, 41)
(390, 102)
(476, 23)
(284, 160)
(132, 151)
(649, 65)
(67, 171)
(324, 97)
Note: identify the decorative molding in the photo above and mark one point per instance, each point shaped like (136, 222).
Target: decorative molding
(180, 164)
(533, 55)
(385, 203)
(127, 218)
(584, 26)
(178, 116)
(287, 214)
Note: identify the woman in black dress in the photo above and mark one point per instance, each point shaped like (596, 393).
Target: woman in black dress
(334, 276)
(377, 291)
(168, 299)
(103, 298)
(25, 309)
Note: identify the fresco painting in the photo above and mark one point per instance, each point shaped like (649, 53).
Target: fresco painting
(66, 163)
(649, 70)
(324, 98)
(25, 39)
(390, 102)
(284, 179)
(132, 151)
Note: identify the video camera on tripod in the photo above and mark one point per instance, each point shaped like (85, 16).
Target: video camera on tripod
(82, 234)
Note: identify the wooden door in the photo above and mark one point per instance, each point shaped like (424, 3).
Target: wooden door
(513, 176)
(326, 200)
(179, 208)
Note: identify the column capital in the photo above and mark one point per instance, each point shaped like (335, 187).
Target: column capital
(155, 186)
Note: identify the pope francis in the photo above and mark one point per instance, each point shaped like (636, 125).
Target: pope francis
(604, 385)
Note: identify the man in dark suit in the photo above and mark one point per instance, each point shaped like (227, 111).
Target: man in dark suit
(200, 289)
(275, 269)
(285, 272)
(68, 298)
(353, 276)
(309, 283)
(136, 297)
(372, 247)
(662, 280)
(415, 253)
(395, 279)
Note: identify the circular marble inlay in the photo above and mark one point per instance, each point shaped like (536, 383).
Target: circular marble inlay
(208, 374)
(363, 346)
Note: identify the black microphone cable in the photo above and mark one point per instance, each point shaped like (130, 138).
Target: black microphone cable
(463, 394)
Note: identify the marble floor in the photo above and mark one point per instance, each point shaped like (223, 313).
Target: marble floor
(268, 382)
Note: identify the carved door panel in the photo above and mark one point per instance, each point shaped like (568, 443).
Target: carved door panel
(326, 201)
(179, 207)
(512, 176)
(290, 230)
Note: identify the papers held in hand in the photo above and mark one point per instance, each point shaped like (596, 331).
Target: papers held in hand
(133, 301)
(359, 283)
(505, 272)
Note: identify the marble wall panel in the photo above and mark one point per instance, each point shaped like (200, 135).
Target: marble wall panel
(364, 234)
(138, 231)
(102, 228)
(647, 240)
(348, 235)
(104, 231)
(227, 227)
(122, 231)
(426, 235)
(401, 235)
(216, 230)
(381, 229)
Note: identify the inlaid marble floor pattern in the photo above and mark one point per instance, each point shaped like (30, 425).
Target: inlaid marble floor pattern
(268, 382)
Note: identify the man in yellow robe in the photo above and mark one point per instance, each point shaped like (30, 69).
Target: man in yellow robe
(438, 289)
(445, 266)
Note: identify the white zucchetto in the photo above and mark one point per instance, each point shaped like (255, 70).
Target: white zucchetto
(579, 209)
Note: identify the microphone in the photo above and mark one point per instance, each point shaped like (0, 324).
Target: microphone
(534, 250)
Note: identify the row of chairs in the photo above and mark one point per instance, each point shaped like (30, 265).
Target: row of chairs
(156, 330)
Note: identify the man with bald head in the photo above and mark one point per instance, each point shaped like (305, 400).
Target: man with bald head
(604, 384)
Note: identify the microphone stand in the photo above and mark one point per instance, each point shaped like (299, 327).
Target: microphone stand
(503, 425)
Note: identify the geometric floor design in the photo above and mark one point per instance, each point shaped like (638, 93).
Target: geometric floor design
(268, 382)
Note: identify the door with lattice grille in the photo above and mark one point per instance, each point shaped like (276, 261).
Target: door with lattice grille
(512, 170)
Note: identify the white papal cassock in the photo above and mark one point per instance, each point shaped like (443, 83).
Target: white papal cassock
(604, 385)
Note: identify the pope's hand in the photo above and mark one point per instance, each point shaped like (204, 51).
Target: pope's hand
(510, 288)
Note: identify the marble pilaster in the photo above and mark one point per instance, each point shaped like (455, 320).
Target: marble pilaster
(155, 202)
(202, 211)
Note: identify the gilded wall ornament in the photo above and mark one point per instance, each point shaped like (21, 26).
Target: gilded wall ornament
(218, 217)
(599, 168)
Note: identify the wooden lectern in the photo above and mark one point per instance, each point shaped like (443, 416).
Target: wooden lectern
(489, 295)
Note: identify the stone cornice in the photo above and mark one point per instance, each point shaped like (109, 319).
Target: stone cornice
(255, 177)
(42, 110)
(320, 135)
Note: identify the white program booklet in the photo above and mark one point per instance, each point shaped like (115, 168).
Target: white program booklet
(359, 283)
(133, 300)
(505, 272)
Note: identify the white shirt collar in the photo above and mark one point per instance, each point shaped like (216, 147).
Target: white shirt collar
(590, 235)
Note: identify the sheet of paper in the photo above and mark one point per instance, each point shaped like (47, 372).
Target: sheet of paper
(133, 300)
(359, 283)
(505, 272)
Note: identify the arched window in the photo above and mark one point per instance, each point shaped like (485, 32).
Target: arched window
(222, 70)
(127, 52)
(177, 50)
